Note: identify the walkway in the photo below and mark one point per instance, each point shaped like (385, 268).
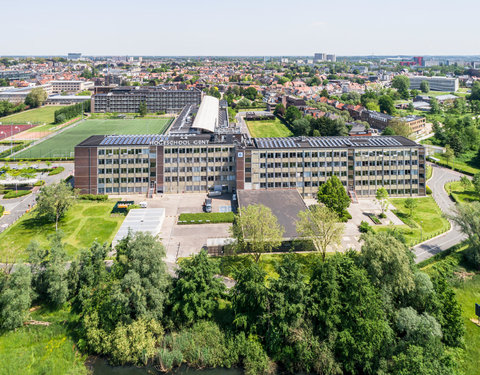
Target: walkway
(438, 244)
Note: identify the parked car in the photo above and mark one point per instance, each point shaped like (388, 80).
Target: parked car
(207, 206)
(143, 204)
(214, 193)
(234, 197)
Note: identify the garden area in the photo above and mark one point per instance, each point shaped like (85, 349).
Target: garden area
(467, 162)
(462, 192)
(268, 128)
(423, 221)
(84, 222)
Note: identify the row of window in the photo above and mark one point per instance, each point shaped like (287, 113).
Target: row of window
(123, 151)
(407, 181)
(301, 174)
(122, 161)
(306, 164)
(303, 154)
(373, 153)
(386, 172)
(122, 189)
(223, 168)
(196, 150)
(224, 159)
(385, 163)
(122, 170)
(199, 178)
(122, 180)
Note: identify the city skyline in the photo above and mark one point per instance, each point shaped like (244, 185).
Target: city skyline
(270, 28)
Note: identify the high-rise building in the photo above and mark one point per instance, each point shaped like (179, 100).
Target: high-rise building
(331, 58)
(319, 57)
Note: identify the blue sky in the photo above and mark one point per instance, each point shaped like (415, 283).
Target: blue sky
(247, 27)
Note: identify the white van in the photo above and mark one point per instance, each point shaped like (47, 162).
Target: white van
(143, 204)
(214, 193)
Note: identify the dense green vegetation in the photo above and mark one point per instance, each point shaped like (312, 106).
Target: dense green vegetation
(206, 218)
(461, 193)
(268, 128)
(10, 194)
(84, 222)
(66, 113)
(62, 145)
(424, 222)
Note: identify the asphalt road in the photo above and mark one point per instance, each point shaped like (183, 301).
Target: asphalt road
(438, 244)
(18, 206)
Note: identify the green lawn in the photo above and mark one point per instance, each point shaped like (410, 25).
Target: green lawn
(43, 115)
(268, 128)
(467, 162)
(39, 349)
(460, 194)
(427, 220)
(468, 293)
(206, 218)
(62, 144)
(429, 172)
(85, 222)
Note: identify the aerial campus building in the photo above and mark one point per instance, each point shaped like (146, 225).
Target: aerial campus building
(157, 99)
(202, 151)
(435, 83)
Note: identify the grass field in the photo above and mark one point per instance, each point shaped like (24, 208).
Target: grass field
(43, 115)
(468, 293)
(427, 220)
(38, 349)
(62, 144)
(84, 223)
(460, 194)
(467, 162)
(268, 128)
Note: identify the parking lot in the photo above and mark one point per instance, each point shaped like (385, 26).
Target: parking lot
(185, 240)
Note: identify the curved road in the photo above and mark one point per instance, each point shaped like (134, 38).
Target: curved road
(438, 244)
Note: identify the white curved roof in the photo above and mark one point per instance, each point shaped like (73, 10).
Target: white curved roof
(207, 115)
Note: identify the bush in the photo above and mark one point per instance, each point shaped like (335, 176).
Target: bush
(382, 215)
(10, 194)
(39, 183)
(345, 216)
(93, 197)
(56, 170)
(2, 210)
(429, 191)
(364, 227)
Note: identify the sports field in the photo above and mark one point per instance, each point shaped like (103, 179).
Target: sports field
(38, 115)
(268, 128)
(62, 144)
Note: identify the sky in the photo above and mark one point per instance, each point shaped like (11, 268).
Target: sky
(239, 28)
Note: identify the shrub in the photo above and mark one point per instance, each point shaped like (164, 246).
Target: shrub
(2, 210)
(364, 227)
(39, 183)
(10, 194)
(56, 170)
(93, 197)
(382, 215)
(345, 216)
(429, 191)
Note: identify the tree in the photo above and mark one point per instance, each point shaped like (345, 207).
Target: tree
(386, 104)
(196, 290)
(382, 198)
(301, 127)
(256, 230)
(467, 217)
(250, 93)
(388, 263)
(320, 225)
(279, 110)
(476, 182)
(54, 201)
(424, 87)
(142, 109)
(333, 195)
(36, 97)
(250, 299)
(475, 93)
(434, 106)
(449, 154)
(15, 297)
(402, 84)
(292, 113)
(410, 205)
(400, 127)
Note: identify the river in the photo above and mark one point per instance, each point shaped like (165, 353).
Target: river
(100, 366)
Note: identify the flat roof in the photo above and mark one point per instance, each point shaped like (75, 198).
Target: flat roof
(284, 203)
(148, 220)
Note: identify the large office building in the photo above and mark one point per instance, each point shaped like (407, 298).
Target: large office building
(71, 87)
(199, 162)
(157, 99)
(436, 83)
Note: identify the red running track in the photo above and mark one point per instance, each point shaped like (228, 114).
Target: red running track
(9, 130)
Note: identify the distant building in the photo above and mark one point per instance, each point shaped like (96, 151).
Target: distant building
(74, 56)
(319, 57)
(18, 95)
(66, 99)
(16, 75)
(72, 87)
(436, 83)
(157, 98)
(331, 58)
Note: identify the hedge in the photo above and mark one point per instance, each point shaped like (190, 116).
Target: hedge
(206, 218)
(18, 147)
(10, 194)
(55, 171)
(2, 210)
(39, 183)
(71, 111)
(93, 197)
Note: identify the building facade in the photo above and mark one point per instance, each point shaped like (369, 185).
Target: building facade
(157, 99)
(71, 87)
(436, 83)
(150, 164)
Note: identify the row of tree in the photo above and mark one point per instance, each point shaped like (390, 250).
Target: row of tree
(71, 111)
